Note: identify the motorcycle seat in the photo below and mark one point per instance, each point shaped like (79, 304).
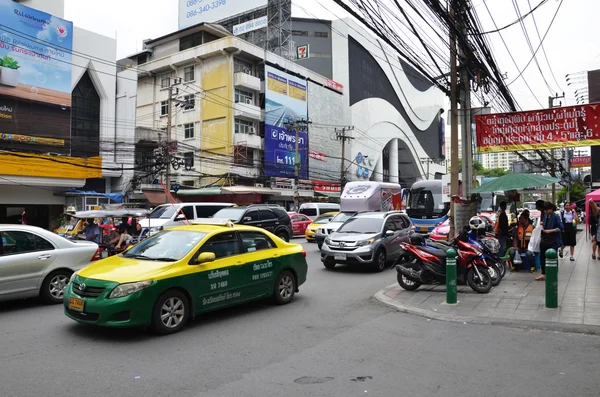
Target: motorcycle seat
(435, 251)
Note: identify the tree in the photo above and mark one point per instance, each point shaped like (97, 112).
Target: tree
(480, 171)
(577, 192)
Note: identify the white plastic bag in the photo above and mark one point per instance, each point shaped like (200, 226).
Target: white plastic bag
(536, 239)
(517, 258)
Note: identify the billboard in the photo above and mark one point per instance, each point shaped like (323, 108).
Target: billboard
(581, 162)
(193, 12)
(570, 126)
(285, 101)
(35, 79)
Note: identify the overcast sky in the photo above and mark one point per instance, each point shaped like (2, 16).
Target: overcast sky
(571, 44)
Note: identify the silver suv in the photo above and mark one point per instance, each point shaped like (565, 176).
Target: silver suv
(368, 238)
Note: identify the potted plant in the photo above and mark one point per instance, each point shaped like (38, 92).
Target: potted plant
(9, 72)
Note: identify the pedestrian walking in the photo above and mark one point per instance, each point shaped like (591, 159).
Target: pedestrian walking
(570, 219)
(552, 229)
(592, 221)
(502, 229)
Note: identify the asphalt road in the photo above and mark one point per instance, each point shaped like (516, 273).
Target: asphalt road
(333, 340)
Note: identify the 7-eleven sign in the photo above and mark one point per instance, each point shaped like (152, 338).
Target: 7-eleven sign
(302, 52)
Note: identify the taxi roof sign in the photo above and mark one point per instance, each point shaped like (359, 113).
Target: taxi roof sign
(213, 221)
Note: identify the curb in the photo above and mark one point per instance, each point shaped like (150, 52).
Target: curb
(382, 298)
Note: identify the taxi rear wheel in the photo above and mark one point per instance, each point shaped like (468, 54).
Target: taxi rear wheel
(285, 288)
(171, 312)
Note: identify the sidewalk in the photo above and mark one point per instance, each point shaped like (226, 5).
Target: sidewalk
(518, 300)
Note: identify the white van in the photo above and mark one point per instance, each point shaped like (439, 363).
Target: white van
(170, 215)
(314, 210)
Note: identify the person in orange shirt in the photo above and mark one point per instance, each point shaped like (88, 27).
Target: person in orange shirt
(522, 235)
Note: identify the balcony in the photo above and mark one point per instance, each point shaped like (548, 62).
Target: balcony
(252, 141)
(246, 81)
(249, 112)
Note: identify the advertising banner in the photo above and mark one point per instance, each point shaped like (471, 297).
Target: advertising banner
(35, 79)
(193, 12)
(285, 101)
(569, 126)
(581, 161)
(327, 187)
(250, 26)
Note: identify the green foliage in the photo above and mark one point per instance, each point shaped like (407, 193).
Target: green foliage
(9, 62)
(576, 193)
(480, 171)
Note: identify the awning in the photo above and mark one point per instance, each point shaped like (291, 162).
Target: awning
(329, 194)
(206, 191)
(116, 197)
(250, 190)
(155, 197)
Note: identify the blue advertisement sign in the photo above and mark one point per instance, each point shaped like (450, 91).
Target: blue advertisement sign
(359, 158)
(285, 102)
(35, 77)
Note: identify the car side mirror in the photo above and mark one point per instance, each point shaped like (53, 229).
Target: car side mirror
(205, 257)
(389, 233)
(247, 219)
(180, 218)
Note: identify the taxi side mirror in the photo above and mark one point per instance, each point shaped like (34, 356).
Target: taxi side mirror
(205, 257)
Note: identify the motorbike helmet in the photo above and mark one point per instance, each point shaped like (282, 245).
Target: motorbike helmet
(476, 223)
(417, 239)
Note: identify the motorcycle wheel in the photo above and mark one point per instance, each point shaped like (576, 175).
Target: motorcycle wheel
(502, 266)
(494, 272)
(407, 284)
(482, 284)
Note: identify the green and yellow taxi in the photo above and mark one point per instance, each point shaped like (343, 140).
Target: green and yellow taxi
(181, 272)
(311, 229)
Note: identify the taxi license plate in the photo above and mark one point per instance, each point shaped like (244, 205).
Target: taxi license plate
(339, 257)
(424, 229)
(76, 304)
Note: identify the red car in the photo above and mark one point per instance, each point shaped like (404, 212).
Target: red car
(299, 223)
(442, 230)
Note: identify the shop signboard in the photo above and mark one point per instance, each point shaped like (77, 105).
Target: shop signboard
(570, 126)
(193, 12)
(35, 79)
(285, 102)
(581, 162)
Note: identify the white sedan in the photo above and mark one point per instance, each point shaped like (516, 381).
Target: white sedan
(36, 262)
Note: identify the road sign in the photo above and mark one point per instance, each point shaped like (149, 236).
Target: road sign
(303, 51)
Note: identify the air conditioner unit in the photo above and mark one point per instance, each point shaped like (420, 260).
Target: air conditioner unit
(259, 185)
(249, 101)
(251, 130)
(248, 71)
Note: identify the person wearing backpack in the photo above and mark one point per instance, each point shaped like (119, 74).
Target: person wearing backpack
(569, 219)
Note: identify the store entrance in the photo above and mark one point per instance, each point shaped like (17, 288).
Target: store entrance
(44, 216)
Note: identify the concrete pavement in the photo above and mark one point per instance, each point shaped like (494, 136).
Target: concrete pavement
(518, 300)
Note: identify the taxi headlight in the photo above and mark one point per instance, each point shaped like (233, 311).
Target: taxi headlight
(122, 290)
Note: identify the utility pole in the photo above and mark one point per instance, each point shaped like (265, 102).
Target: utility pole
(467, 134)
(453, 122)
(341, 136)
(169, 130)
(297, 126)
(550, 106)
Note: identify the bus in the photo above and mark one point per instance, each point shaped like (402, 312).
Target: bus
(425, 205)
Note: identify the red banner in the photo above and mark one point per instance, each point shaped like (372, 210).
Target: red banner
(569, 126)
(317, 155)
(334, 85)
(581, 161)
(327, 187)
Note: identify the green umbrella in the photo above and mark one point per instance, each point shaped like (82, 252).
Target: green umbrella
(515, 182)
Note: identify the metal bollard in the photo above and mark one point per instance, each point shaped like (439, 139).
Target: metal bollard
(451, 288)
(551, 279)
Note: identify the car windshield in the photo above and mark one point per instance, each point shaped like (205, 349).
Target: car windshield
(362, 225)
(342, 217)
(323, 219)
(235, 214)
(162, 212)
(170, 245)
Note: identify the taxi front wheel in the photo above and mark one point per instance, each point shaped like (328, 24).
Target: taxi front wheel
(285, 288)
(171, 312)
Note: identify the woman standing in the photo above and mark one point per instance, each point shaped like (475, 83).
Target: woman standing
(570, 220)
(593, 232)
(550, 234)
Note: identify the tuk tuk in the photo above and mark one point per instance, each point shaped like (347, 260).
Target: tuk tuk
(108, 221)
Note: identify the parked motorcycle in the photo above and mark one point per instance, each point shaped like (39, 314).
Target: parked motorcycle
(427, 265)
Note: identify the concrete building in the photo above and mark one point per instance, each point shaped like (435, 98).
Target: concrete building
(87, 169)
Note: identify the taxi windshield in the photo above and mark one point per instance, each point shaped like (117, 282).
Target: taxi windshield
(168, 246)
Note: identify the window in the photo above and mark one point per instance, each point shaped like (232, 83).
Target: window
(142, 59)
(190, 102)
(244, 97)
(165, 81)
(188, 183)
(188, 130)
(188, 73)
(299, 33)
(256, 241)
(253, 215)
(242, 66)
(267, 215)
(188, 212)
(222, 245)
(321, 34)
(189, 160)
(295, 218)
(304, 218)
(17, 242)
(164, 108)
(206, 211)
(244, 127)
(85, 119)
(390, 224)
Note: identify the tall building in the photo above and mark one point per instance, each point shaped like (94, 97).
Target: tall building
(64, 109)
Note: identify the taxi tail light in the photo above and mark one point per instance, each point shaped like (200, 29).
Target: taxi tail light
(304, 254)
(97, 256)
